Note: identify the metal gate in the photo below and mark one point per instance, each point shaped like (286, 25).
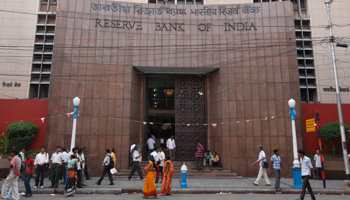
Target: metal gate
(189, 116)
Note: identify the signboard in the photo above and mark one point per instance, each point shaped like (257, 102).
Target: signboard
(310, 125)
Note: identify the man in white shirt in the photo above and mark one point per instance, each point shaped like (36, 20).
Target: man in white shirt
(150, 144)
(106, 168)
(135, 166)
(56, 162)
(82, 165)
(318, 164)
(306, 169)
(262, 170)
(161, 157)
(171, 147)
(40, 161)
(64, 164)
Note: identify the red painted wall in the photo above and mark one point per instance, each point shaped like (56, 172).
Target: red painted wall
(328, 113)
(29, 110)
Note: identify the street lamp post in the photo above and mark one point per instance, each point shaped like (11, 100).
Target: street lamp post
(296, 163)
(340, 112)
(76, 102)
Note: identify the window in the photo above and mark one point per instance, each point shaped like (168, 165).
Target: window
(44, 91)
(34, 91)
(181, 2)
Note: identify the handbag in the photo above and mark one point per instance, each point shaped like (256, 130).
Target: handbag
(265, 165)
(113, 171)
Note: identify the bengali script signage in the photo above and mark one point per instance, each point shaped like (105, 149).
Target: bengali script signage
(138, 9)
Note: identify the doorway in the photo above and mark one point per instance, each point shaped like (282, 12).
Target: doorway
(176, 106)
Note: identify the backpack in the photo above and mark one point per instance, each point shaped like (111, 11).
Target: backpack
(111, 162)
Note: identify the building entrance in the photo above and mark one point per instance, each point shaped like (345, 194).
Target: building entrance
(176, 106)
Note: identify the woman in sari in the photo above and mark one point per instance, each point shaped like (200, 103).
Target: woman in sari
(70, 182)
(168, 171)
(149, 188)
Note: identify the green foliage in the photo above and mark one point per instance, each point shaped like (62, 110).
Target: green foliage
(5, 143)
(22, 133)
(331, 133)
(34, 153)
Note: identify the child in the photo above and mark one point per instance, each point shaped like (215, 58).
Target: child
(29, 163)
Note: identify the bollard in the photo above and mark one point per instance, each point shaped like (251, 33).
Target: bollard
(298, 183)
(184, 174)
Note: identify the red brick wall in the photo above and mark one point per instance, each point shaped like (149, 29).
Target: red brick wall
(29, 110)
(328, 113)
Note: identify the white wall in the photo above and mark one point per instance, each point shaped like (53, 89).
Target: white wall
(17, 32)
(340, 13)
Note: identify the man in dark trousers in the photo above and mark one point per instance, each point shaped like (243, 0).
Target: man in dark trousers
(55, 172)
(40, 161)
(306, 170)
(85, 151)
(135, 166)
(107, 165)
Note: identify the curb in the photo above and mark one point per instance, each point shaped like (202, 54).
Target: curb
(239, 191)
(187, 191)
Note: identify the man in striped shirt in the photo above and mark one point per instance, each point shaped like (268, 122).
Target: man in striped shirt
(276, 167)
(199, 157)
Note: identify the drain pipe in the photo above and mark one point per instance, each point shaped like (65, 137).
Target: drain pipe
(299, 10)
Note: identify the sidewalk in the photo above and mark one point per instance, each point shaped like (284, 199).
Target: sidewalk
(195, 186)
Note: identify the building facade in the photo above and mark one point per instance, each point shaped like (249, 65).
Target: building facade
(216, 72)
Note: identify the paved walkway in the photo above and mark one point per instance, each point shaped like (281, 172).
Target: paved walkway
(195, 186)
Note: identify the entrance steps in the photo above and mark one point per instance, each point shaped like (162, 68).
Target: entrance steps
(192, 171)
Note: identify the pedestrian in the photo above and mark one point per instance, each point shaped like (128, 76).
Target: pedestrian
(113, 156)
(306, 170)
(149, 188)
(199, 157)
(156, 159)
(107, 165)
(215, 160)
(65, 158)
(68, 151)
(318, 164)
(161, 157)
(76, 153)
(82, 166)
(171, 147)
(135, 166)
(23, 158)
(262, 170)
(41, 161)
(28, 163)
(56, 164)
(276, 164)
(150, 144)
(168, 172)
(12, 177)
(71, 168)
(86, 156)
(130, 153)
(207, 158)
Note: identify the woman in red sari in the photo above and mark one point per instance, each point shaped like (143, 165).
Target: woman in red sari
(149, 188)
(168, 172)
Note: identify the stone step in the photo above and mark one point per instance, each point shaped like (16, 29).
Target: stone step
(206, 170)
(191, 175)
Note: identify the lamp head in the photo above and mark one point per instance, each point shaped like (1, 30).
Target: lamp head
(76, 101)
(328, 1)
(291, 103)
